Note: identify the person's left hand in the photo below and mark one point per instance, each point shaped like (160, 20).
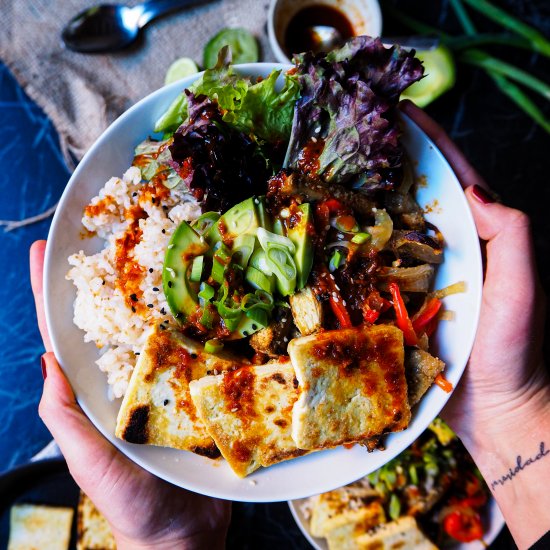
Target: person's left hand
(143, 510)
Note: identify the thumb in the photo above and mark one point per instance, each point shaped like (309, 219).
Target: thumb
(88, 454)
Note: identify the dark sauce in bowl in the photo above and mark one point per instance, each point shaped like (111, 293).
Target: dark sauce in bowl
(297, 37)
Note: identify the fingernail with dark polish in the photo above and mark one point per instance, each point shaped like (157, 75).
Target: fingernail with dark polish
(482, 195)
(43, 365)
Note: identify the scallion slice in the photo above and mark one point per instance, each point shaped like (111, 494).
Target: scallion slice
(196, 269)
(255, 278)
(269, 240)
(213, 346)
(242, 249)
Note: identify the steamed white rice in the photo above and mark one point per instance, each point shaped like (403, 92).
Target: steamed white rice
(100, 308)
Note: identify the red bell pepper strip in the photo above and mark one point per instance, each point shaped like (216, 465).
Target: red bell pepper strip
(333, 205)
(430, 311)
(403, 320)
(463, 525)
(443, 383)
(336, 301)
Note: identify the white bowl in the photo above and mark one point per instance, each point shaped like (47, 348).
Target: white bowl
(364, 15)
(317, 472)
(492, 518)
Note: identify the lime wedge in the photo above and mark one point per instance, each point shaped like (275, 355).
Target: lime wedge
(182, 67)
(244, 47)
(439, 71)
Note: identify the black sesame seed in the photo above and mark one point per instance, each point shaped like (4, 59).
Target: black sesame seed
(136, 353)
(164, 230)
(166, 401)
(153, 200)
(245, 333)
(150, 270)
(155, 289)
(163, 311)
(194, 356)
(164, 207)
(134, 194)
(169, 284)
(134, 297)
(133, 309)
(103, 282)
(254, 327)
(149, 305)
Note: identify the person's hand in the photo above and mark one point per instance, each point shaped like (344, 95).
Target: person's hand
(143, 510)
(500, 409)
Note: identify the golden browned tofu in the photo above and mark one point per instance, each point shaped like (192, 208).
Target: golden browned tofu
(248, 413)
(157, 408)
(306, 311)
(402, 534)
(329, 510)
(352, 386)
(33, 526)
(93, 531)
(343, 530)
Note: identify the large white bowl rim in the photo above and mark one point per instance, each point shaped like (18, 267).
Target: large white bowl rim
(110, 156)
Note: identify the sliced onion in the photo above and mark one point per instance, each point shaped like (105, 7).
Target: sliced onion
(410, 279)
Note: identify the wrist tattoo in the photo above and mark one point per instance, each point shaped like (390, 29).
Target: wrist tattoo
(520, 465)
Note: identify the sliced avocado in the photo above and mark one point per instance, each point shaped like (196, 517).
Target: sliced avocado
(300, 235)
(185, 245)
(204, 222)
(241, 219)
(248, 326)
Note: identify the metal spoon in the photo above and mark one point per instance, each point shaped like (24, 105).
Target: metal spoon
(107, 28)
(325, 38)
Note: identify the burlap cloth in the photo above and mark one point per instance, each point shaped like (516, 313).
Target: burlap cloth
(84, 93)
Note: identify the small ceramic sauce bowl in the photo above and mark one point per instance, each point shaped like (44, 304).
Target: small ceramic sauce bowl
(364, 17)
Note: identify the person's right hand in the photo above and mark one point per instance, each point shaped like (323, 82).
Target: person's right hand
(143, 511)
(501, 407)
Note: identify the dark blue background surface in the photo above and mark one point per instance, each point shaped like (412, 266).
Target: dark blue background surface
(33, 176)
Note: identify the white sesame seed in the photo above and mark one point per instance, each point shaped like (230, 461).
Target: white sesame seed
(314, 139)
(344, 303)
(234, 409)
(283, 320)
(337, 287)
(317, 130)
(285, 213)
(327, 227)
(170, 246)
(285, 339)
(252, 482)
(335, 298)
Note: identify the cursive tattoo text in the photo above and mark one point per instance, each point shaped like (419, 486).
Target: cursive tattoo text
(520, 465)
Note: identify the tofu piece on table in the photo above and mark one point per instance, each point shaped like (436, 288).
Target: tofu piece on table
(352, 386)
(38, 527)
(93, 531)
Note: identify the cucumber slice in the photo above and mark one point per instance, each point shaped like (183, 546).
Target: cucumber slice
(244, 47)
(439, 68)
(180, 68)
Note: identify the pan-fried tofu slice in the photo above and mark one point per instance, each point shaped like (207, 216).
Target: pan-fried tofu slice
(352, 386)
(306, 311)
(342, 530)
(330, 510)
(402, 534)
(248, 413)
(93, 531)
(157, 408)
(39, 527)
